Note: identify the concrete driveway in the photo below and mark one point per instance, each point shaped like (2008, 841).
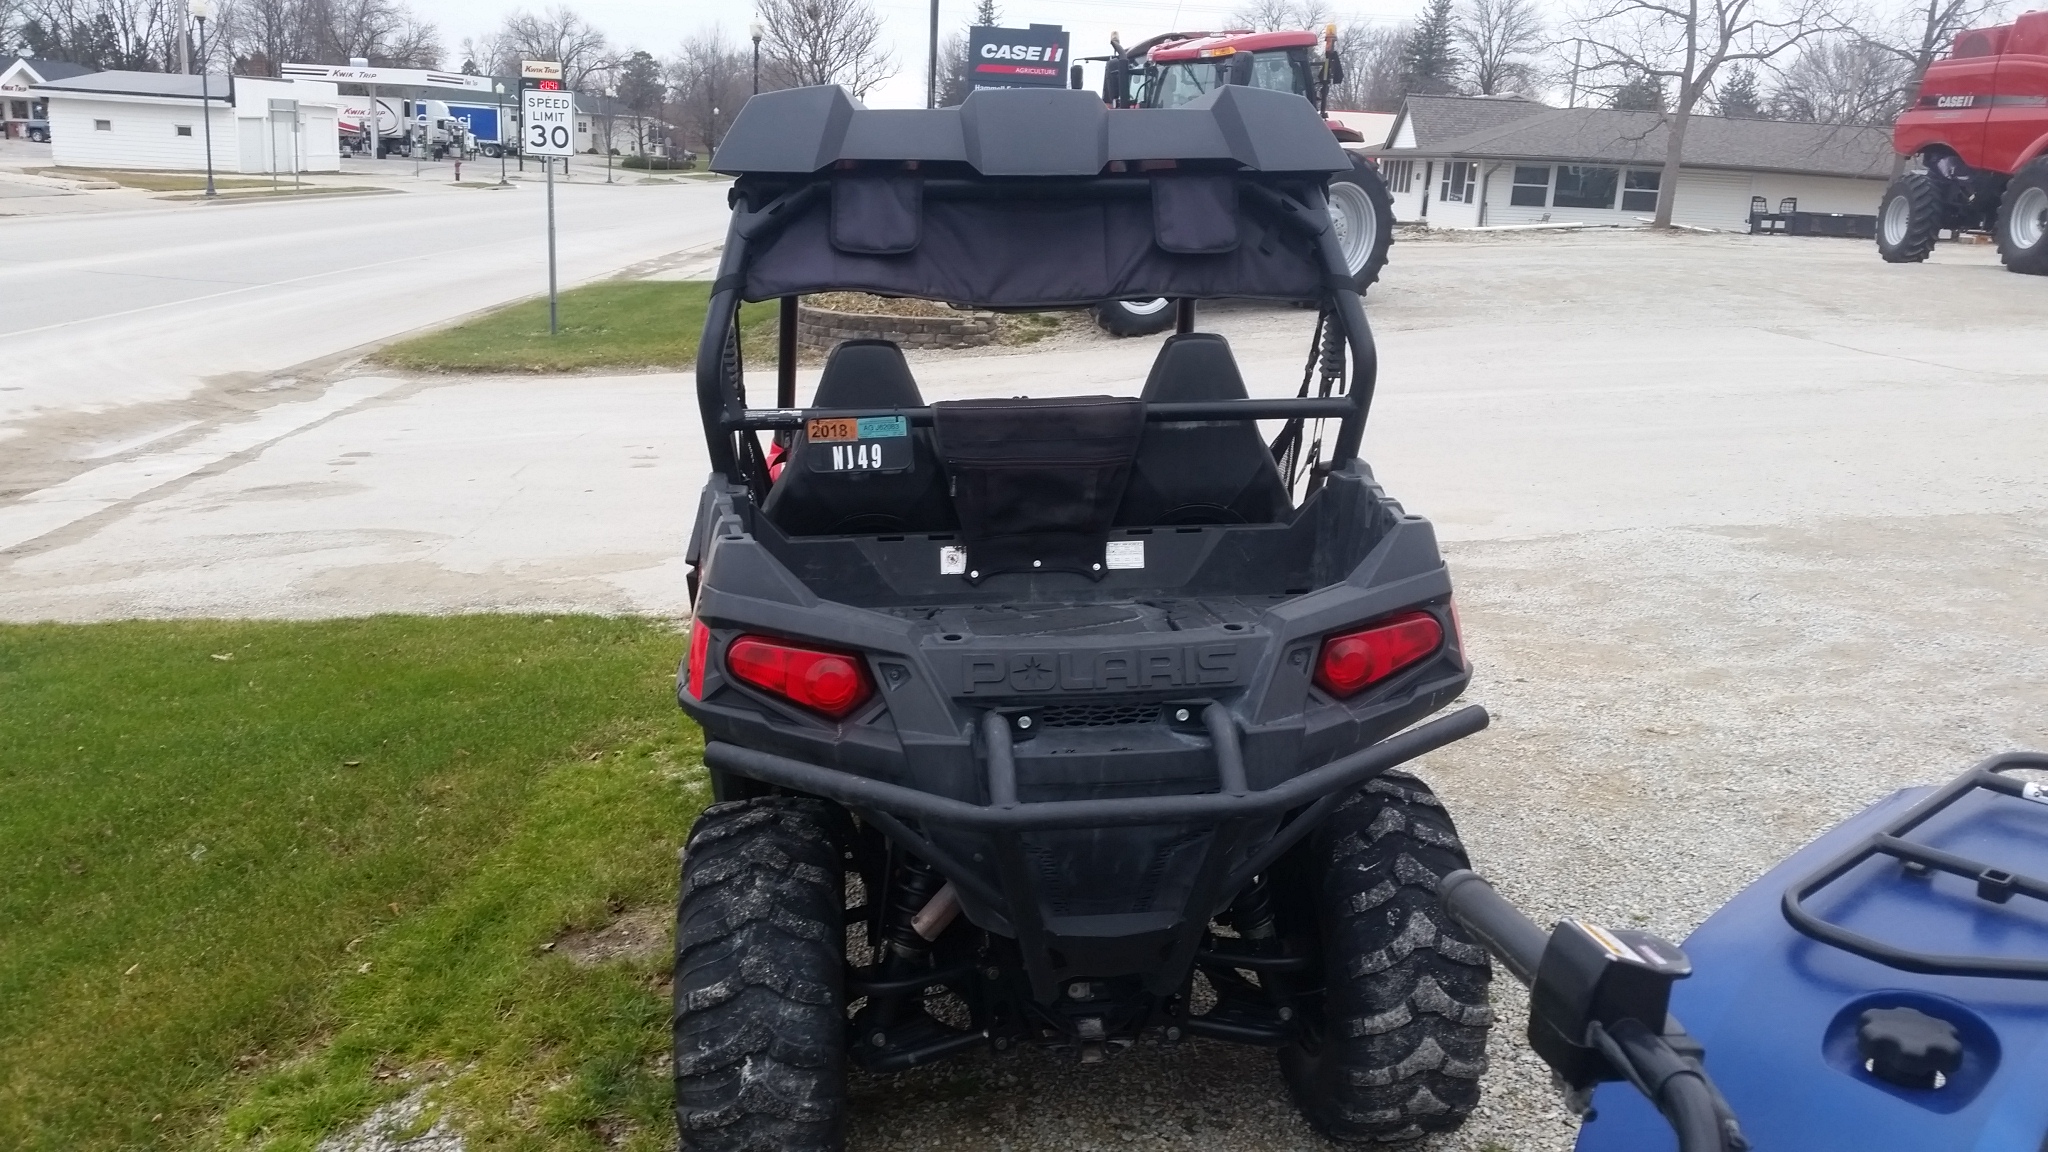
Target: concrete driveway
(1531, 385)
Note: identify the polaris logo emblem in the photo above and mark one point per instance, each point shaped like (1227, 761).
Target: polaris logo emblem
(1125, 669)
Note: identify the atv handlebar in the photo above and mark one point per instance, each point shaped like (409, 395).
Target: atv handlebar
(1499, 925)
(1669, 1075)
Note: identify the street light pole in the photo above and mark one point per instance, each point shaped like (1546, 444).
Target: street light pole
(201, 9)
(931, 76)
(756, 31)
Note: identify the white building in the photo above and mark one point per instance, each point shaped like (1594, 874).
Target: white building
(1478, 161)
(22, 115)
(159, 121)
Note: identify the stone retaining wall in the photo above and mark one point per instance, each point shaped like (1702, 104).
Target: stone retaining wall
(821, 328)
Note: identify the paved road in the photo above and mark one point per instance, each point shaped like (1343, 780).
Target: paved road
(104, 312)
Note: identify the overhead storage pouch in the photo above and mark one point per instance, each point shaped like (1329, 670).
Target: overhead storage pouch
(1037, 482)
(877, 215)
(1194, 215)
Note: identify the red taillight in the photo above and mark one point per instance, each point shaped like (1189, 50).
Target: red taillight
(700, 651)
(830, 682)
(1357, 660)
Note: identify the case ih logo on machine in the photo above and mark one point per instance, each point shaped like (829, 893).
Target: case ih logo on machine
(1031, 57)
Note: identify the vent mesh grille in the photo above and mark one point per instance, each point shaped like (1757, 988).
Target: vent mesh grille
(1099, 714)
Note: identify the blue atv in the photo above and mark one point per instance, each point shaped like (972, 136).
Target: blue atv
(1880, 991)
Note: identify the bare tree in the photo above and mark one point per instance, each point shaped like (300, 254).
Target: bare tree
(711, 78)
(1843, 81)
(1280, 15)
(383, 31)
(827, 42)
(1689, 42)
(1923, 30)
(1499, 38)
(558, 34)
(1372, 67)
(134, 35)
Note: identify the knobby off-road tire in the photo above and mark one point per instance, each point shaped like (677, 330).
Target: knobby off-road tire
(2023, 221)
(760, 1026)
(1404, 1012)
(1363, 212)
(1908, 218)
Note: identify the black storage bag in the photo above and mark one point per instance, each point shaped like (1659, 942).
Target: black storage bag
(1036, 482)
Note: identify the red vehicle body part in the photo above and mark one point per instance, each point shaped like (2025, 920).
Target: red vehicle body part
(1987, 102)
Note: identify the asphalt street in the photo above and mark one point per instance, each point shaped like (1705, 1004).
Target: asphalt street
(109, 311)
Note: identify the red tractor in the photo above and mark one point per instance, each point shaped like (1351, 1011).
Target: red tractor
(1169, 70)
(1979, 130)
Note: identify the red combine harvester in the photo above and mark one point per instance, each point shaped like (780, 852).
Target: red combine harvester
(1979, 129)
(1171, 69)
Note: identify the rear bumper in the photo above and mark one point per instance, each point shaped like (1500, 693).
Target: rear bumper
(1238, 826)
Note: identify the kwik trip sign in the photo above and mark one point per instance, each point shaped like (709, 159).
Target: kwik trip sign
(1034, 57)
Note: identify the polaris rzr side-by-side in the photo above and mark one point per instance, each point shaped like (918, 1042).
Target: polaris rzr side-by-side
(1066, 720)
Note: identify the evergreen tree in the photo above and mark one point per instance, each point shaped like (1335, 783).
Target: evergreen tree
(1641, 92)
(986, 14)
(1740, 96)
(1430, 61)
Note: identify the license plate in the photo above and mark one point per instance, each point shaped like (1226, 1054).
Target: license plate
(858, 444)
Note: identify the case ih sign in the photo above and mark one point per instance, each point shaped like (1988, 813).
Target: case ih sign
(1034, 57)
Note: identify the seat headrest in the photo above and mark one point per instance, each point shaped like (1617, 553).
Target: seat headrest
(1194, 366)
(867, 374)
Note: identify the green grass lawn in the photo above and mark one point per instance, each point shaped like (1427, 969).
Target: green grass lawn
(154, 181)
(257, 878)
(616, 324)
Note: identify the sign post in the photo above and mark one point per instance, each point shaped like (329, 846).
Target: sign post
(547, 129)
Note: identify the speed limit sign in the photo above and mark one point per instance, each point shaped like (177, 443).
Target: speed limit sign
(548, 123)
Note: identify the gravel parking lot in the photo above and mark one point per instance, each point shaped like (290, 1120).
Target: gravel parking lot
(1774, 621)
(1747, 534)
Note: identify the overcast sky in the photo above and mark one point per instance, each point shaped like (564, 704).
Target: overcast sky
(660, 25)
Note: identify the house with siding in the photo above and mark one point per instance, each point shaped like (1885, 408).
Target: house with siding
(1480, 161)
(160, 120)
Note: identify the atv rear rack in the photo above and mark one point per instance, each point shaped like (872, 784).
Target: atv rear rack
(1232, 810)
(1994, 884)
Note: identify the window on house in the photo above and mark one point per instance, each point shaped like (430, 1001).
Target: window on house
(20, 109)
(1639, 191)
(1532, 185)
(1583, 186)
(1400, 175)
(103, 125)
(1457, 185)
(184, 129)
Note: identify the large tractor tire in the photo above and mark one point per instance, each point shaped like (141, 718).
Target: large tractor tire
(1398, 1035)
(1908, 218)
(2023, 221)
(1363, 212)
(1135, 317)
(760, 994)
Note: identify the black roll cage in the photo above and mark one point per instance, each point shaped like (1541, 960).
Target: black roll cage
(1297, 201)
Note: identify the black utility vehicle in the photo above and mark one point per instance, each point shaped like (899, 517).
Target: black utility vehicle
(1067, 720)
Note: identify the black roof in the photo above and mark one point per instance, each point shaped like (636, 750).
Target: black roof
(48, 69)
(1027, 132)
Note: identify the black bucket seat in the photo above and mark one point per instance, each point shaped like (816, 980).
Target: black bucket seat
(1201, 472)
(867, 376)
